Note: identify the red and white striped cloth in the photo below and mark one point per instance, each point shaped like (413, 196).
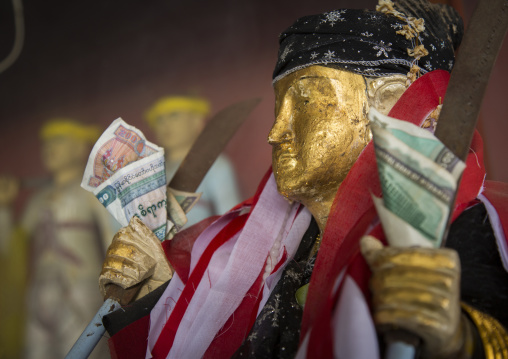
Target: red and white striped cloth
(232, 269)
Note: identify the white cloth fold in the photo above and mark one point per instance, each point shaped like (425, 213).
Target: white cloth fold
(233, 269)
(205, 317)
(162, 310)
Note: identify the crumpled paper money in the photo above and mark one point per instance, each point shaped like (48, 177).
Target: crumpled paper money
(127, 174)
(418, 176)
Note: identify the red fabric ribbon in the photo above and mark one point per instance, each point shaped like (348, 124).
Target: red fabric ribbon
(179, 257)
(165, 341)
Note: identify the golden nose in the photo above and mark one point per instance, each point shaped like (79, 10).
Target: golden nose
(281, 130)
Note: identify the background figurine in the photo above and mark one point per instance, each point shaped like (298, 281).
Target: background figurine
(65, 232)
(176, 122)
(277, 278)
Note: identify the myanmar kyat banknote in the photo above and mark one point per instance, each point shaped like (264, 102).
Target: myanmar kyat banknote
(418, 176)
(127, 174)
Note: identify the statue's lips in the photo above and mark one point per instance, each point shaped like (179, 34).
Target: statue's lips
(285, 156)
(284, 160)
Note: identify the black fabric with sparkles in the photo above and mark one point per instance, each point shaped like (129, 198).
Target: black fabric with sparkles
(366, 42)
(484, 281)
(276, 331)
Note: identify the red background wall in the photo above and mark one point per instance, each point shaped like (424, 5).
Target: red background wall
(99, 60)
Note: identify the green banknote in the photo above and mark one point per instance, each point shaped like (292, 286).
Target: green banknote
(179, 204)
(418, 176)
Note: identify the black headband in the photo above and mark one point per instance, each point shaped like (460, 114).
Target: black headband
(366, 42)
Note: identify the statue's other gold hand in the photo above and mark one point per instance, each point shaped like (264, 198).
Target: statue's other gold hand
(135, 256)
(418, 290)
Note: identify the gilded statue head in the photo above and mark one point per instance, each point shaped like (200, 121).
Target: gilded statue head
(331, 69)
(321, 127)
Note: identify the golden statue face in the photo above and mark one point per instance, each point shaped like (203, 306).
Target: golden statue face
(320, 129)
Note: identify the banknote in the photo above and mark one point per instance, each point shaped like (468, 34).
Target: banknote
(418, 176)
(179, 204)
(127, 174)
(186, 200)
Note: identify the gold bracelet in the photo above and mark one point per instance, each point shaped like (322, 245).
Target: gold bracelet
(494, 337)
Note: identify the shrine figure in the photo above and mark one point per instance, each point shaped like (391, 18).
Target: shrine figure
(65, 232)
(289, 273)
(176, 122)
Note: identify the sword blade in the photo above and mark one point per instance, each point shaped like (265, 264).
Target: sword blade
(470, 76)
(210, 143)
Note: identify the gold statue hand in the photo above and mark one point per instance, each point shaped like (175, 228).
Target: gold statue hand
(418, 290)
(135, 255)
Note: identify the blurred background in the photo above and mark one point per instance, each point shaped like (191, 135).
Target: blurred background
(95, 61)
(98, 60)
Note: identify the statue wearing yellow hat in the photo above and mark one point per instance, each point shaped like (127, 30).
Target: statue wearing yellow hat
(57, 245)
(177, 122)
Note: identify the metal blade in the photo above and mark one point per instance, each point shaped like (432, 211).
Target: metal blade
(470, 76)
(210, 143)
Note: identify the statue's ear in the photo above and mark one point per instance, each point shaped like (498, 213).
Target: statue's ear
(383, 92)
